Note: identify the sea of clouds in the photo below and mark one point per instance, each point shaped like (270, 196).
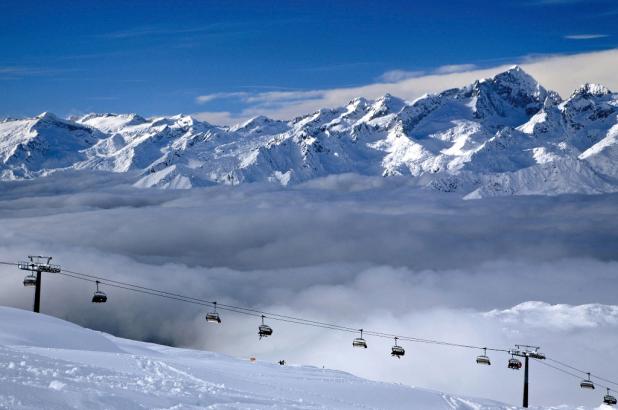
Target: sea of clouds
(359, 251)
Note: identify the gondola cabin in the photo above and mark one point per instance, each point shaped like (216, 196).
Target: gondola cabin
(609, 399)
(483, 359)
(264, 331)
(359, 342)
(587, 383)
(397, 351)
(213, 317)
(99, 296)
(514, 364)
(30, 281)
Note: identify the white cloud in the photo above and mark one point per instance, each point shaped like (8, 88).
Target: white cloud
(201, 99)
(394, 76)
(455, 68)
(562, 73)
(585, 36)
(558, 316)
(220, 117)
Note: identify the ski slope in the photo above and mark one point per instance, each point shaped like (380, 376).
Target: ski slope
(47, 363)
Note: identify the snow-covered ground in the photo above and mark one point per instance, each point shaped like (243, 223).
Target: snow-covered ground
(47, 363)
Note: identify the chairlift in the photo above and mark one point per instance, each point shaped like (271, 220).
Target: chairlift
(514, 363)
(483, 359)
(264, 330)
(587, 383)
(397, 351)
(359, 341)
(213, 317)
(609, 399)
(99, 296)
(30, 280)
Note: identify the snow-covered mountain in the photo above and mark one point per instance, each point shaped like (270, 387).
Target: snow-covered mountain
(504, 135)
(47, 363)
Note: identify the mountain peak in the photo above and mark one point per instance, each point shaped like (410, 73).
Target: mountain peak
(389, 103)
(47, 116)
(516, 77)
(590, 90)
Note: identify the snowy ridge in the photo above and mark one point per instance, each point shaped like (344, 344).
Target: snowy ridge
(505, 135)
(46, 363)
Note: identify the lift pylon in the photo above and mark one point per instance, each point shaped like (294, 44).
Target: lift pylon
(38, 264)
(527, 352)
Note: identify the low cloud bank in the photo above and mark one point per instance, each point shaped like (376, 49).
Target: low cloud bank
(362, 252)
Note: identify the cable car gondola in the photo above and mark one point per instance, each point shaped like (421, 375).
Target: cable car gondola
(359, 341)
(514, 363)
(397, 351)
(30, 280)
(213, 317)
(609, 399)
(483, 359)
(264, 330)
(99, 296)
(587, 383)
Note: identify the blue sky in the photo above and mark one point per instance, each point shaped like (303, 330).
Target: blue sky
(159, 57)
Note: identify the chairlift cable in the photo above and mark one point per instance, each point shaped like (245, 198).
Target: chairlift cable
(581, 371)
(289, 319)
(568, 372)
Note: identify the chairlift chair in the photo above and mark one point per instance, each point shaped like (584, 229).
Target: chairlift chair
(359, 341)
(30, 280)
(514, 363)
(587, 383)
(483, 359)
(213, 317)
(609, 399)
(99, 296)
(397, 351)
(264, 330)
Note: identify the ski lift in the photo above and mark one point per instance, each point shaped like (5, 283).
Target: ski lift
(587, 383)
(264, 330)
(359, 341)
(30, 280)
(213, 317)
(99, 296)
(514, 363)
(536, 355)
(483, 359)
(609, 399)
(397, 351)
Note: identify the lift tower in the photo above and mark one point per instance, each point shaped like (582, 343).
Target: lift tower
(527, 352)
(38, 264)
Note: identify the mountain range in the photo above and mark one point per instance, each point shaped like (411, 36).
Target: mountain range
(505, 135)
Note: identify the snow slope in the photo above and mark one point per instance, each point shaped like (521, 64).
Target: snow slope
(47, 363)
(505, 135)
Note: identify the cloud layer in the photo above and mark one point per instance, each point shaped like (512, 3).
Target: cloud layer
(562, 73)
(358, 251)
